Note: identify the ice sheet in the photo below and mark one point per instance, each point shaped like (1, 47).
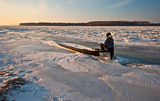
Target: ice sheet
(56, 74)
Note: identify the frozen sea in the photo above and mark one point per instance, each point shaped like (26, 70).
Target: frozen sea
(33, 68)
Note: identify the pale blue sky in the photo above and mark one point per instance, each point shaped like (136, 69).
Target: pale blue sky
(16, 11)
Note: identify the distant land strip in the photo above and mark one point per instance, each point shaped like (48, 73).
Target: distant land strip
(95, 23)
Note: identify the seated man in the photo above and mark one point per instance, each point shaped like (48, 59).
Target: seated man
(108, 45)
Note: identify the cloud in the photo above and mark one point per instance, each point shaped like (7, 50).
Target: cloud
(24, 6)
(122, 3)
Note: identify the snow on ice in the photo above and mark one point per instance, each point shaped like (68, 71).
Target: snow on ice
(32, 68)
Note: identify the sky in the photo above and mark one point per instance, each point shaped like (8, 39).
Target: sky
(13, 12)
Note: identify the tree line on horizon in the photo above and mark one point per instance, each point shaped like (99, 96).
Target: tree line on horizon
(95, 23)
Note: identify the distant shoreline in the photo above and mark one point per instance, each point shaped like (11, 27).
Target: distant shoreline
(94, 23)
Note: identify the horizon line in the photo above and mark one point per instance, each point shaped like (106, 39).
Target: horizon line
(81, 22)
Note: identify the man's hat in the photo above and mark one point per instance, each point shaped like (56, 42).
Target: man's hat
(108, 34)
